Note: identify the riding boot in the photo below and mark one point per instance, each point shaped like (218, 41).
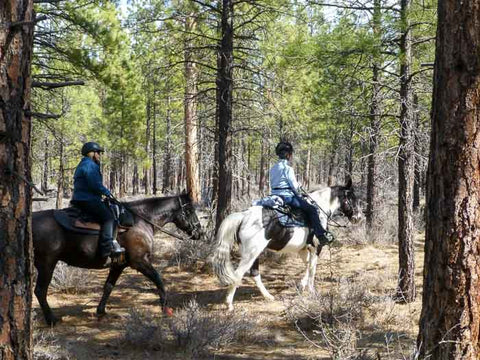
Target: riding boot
(106, 238)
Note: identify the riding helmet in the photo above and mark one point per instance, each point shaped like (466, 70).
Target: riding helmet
(91, 146)
(283, 149)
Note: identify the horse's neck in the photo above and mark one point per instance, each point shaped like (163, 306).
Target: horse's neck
(156, 209)
(323, 198)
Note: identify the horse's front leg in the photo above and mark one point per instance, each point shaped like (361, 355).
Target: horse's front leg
(149, 271)
(312, 268)
(310, 257)
(113, 275)
(254, 271)
(305, 256)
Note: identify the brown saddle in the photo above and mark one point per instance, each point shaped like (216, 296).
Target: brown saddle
(74, 220)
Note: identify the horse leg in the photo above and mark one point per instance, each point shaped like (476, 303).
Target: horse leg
(45, 273)
(305, 256)
(254, 271)
(113, 275)
(248, 256)
(312, 266)
(149, 271)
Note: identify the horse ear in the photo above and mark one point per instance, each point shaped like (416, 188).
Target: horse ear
(349, 183)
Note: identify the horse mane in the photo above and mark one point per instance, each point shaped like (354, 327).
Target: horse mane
(152, 207)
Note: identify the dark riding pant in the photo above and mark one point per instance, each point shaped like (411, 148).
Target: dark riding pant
(100, 212)
(310, 210)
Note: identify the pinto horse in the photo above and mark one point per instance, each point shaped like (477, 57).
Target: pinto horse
(53, 243)
(258, 228)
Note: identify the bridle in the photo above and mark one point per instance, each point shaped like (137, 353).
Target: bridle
(156, 226)
(184, 215)
(329, 215)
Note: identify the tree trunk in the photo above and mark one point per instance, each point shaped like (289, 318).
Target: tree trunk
(135, 180)
(146, 169)
(261, 173)
(46, 159)
(154, 146)
(167, 160)
(406, 286)
(418, 158)
(190, 105)
(16, 38)
(450, 318)
(372, 156)
(60, 176)
(225, 85)
(306, 177)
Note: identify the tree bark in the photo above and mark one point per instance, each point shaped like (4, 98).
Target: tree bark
(406, 285)
(450, 318)
(16, 249)
(46, 169)
(60, 176)
(418, 158)
(154, 146)
(190, 107)
(225, 85)
(374, 123)
(146, 169)
(167, 160)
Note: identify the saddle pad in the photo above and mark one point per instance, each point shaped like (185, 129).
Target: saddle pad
(288, 221)
(67, 219)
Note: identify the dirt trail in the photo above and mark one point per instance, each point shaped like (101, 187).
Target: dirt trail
(84, 336)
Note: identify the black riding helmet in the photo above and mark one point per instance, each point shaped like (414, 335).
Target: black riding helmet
(283, 149)
(91, 146)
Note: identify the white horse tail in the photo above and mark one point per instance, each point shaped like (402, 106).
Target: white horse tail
(221, 257)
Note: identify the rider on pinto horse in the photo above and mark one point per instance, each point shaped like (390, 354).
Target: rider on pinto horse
(283, 183)
(87, 195)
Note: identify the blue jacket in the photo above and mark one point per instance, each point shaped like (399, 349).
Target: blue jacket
(282, 179)
(87, 181)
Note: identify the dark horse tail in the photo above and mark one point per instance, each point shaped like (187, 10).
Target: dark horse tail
(221, 257)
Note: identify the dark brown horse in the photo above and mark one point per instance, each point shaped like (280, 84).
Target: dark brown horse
(53, 243)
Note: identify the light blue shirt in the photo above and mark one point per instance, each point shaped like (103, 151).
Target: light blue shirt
(282, 179)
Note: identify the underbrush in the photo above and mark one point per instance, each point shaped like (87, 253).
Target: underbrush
(45, 346)
(193, 330)
(356, 318)
(70, 280)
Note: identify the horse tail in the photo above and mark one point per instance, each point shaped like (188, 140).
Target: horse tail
(226, 236)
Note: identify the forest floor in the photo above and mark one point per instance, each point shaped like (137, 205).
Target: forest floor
(384, 325)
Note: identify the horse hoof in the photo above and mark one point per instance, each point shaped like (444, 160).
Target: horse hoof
(270, 297)
(52, 321)
(168, 311)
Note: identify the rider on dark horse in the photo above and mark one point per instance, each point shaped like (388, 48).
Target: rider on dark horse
(283, 183)
(87, 195)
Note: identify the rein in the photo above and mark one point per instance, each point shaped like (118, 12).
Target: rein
(330, 220)
(149, 221)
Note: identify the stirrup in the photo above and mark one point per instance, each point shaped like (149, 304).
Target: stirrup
(117, 250)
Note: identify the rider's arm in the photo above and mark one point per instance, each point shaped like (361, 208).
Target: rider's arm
(94, 180)
(292, 180)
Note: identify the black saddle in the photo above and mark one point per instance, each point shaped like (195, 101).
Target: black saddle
(75, 220)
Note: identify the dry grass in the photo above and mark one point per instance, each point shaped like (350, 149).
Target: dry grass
(45, 346)
(70, 280)
(356, 318)
(194, 331)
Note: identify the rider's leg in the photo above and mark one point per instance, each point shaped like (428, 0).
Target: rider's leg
(313, 218)
(104, 216)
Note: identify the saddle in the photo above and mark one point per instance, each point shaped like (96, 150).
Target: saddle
(286, 215)
(75, 220)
